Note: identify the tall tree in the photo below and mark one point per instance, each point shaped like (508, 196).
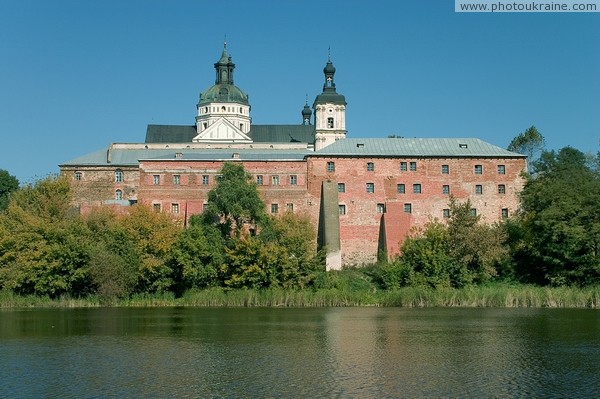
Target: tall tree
(8, 184)
(558, 241)
(530, 143)
(235, 201)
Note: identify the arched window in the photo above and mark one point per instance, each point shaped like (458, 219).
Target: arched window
(118, 195)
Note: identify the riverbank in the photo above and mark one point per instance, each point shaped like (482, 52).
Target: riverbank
(497, 295)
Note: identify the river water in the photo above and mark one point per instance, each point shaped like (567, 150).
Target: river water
(299, 353)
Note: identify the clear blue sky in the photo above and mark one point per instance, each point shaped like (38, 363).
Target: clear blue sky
(76, 75)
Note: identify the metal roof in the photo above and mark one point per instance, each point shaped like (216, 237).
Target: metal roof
(416, 147)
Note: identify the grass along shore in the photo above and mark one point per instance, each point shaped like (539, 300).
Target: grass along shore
(497, 295)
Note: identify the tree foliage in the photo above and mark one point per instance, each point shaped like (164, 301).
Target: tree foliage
(530, 143)
(8, 184)
(558, 238)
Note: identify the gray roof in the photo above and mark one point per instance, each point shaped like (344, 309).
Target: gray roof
(416, 147)
(258, 133)
(131, 157)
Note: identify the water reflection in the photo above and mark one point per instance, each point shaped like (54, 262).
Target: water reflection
(337, 352)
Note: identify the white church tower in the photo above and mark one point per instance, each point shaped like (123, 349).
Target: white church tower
(223, 109)
(330, 111)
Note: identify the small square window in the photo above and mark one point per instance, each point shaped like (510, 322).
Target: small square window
(370, 166)
(403, 166)
(342, 209)
(370, 187)
(156, 179)
(78, 175)
(473, 212)
(289, 207)
(401, 188)
(504, 213)
(176, 179)
(275, 180)
(445, 169)
(417, 188)
(205, 180)
(413, 166)
(380, 208)
(293, 180)
(501, 169)
(331, 166)
(156, 207)
(478, 169)
(174, 208)
(478, 189)
(274, 208)
(259, 180)
(446, 213)
(446, 189)
(501, 189)
(341, 187)
(408, 208)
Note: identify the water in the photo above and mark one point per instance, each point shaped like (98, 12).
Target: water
(299, 353)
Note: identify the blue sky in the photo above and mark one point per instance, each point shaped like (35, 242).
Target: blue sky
(76, 75)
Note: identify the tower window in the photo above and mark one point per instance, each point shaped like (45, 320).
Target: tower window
(446, 213)
(446, 189)
(445, 169)
(408, 208)
(501, 169)
(504, 213)
(341, 187)
(331, 166)
(330, 123)
(478, 189)
(501, 189)
(118, 195)
(380, 208)
(78, 175)
(370, 166)
(370, 187)
(342, 209)
(118, 176)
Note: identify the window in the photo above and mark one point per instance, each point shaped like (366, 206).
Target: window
(446, 213)
(156, 207)
(403, 167)
(380, 208)
(259, 180)
(342, 209)
(501, 189)
(446, 189)
(275, 180)
(331, 166)
(274, 208)
(176, 180)
(401, 188)
(330, 123)
(293, 180)
(504, 213)
(501, 169)
(78, 175)
(370, 166)
(289, 207)
(445, 169)
(341, 187)
(174, 208)
(473, 212)
(478, 189)
(413, 166)
(118, 195)
(478, 169)
(408, 208)
(156, 179)
(417, 188)
(370, 187)
(205, 180)
(118, 176)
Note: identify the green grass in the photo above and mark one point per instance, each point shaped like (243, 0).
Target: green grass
(497, 295)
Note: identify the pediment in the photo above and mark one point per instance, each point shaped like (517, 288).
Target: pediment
(222, 131)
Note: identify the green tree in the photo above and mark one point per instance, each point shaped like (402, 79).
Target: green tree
(558, 240)
(530, 143)
(234, 202)
(8, 184)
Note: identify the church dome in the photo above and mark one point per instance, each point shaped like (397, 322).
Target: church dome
(223, 93)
